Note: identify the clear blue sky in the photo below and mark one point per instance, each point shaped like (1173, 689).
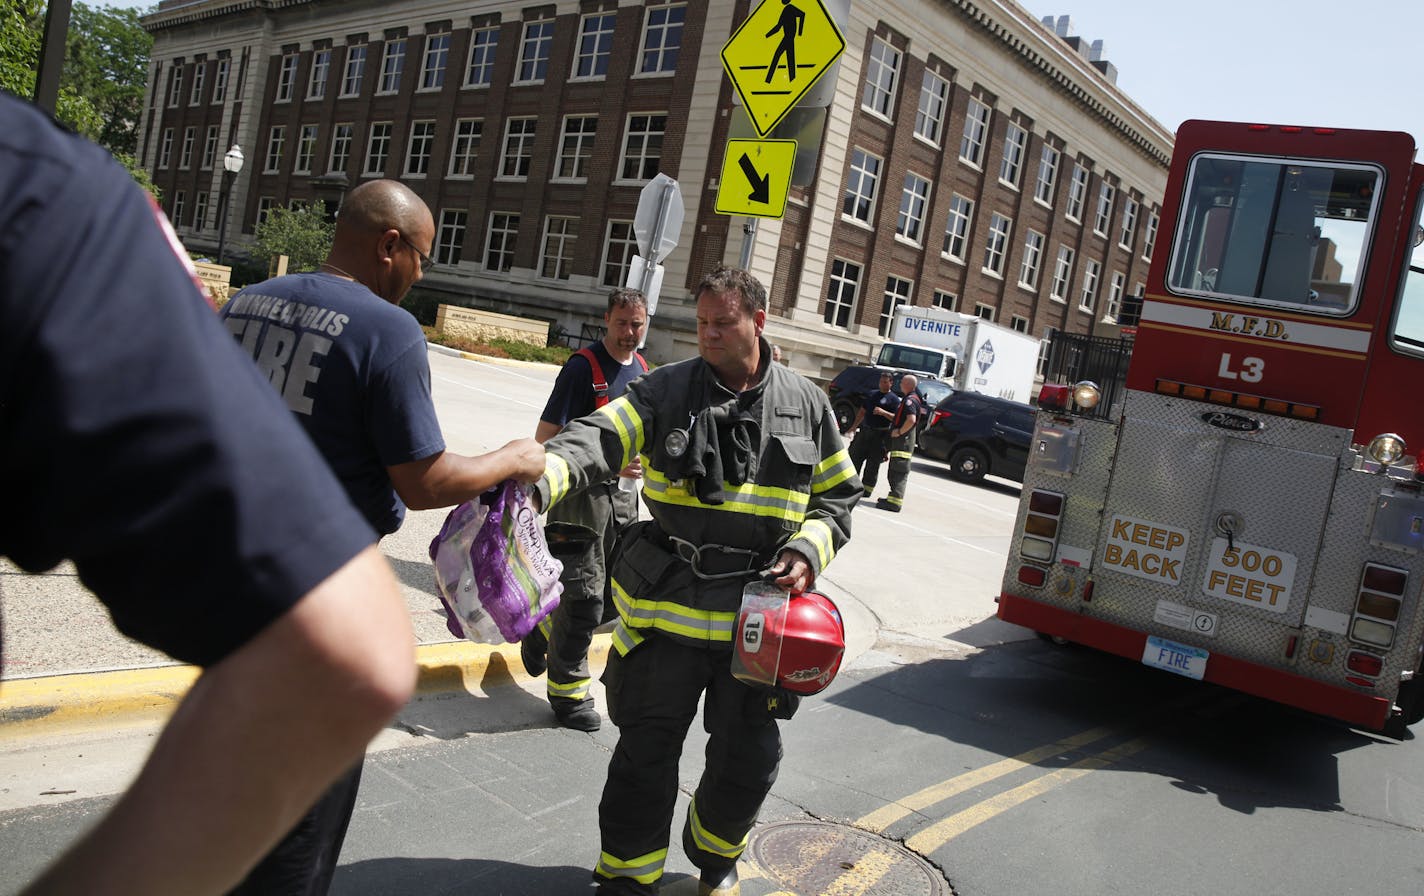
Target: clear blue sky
(1324, 63)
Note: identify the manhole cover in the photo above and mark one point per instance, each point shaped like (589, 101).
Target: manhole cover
(812, 858)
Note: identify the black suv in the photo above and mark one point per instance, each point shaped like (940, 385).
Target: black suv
(850, 387)
(980, 434)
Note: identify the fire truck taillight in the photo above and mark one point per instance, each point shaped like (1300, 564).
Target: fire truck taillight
(1363, 664)
(1053, 397)
(1377, 606)
(1040, 535)
(1239, 400)
(1032, 575)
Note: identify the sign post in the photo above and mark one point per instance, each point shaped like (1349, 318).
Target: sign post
(656, 225)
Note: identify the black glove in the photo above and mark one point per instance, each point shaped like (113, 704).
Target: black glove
(765, 704)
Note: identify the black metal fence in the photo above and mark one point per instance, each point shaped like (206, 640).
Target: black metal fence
(1074, 357)
(587, 333)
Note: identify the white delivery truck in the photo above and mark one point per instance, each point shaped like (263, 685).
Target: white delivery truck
(968, 352)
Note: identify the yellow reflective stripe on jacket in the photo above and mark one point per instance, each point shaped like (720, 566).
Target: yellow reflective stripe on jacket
(556, 474)
(817, 534)
(625, 638)
(626, 423)
(673, 618)
(831, 472)
(710, 842)
(748, 498)
(644, 869)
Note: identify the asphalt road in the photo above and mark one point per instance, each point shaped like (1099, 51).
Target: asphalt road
(954, 753)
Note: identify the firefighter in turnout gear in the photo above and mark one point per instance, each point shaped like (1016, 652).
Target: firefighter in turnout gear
(903, 428)
(745, 476)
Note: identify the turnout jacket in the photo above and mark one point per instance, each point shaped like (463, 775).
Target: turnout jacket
(762, 471)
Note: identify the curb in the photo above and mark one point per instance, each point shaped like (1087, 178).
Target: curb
(32, 706)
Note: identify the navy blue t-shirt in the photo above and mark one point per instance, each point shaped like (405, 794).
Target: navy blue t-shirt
(353, 369)
(135, 439)
(877, 399)
(573, 393)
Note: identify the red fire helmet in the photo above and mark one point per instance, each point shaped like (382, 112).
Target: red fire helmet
(797, 646)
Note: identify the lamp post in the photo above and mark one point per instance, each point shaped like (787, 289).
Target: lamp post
(232, 164)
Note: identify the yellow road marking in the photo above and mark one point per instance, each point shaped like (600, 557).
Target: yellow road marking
(862, 876)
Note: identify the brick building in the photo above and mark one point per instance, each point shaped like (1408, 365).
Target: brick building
(968, 156)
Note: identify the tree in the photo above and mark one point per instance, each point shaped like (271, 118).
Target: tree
(303, 233)
(106, 60)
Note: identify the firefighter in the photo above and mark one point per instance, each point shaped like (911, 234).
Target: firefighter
(745, 476)
(903, 427)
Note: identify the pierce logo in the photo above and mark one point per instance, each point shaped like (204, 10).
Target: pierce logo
(1233, 422)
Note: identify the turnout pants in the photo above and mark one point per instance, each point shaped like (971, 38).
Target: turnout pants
(902, 449)
(567, 632)
(867, 450)
(653, 692)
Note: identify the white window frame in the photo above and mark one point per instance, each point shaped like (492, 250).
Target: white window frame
(643, 145)
(984, 312)
(1149, 241)
(1062, 274)
(378, 146)
(1102, 218)
(434, 61)
(465, 147)
(320, 74)
(200, 211)
(1128, 229)
(180, 199)
(175, 86)
(1077, 194)
(1047, 179)
(946, 300)
(976, 133)
(862, 186)
(594, 46)
(353, 71)
(898, 291)
(450, 235)
(306, 149)
(479, 70)
(1032, 266)
(503, 226)
(200, 72)
(1092, 274)
(558, 246)
(1018, 323)
(210, 148)
(882, 75)
(934, 102)
(996, 244)
(958, 225)
(620, 244)
(220, 81)
(1116, 285)
(287, 77)
(185, 155)
(840, 310)
(272, 158)
(914, 204)
(576, 148)
(343, 136)
(165, 148)
(392, 66)
(517, 148)
(662, 60)
(535, 49)
(420, 148)
(1015, 146)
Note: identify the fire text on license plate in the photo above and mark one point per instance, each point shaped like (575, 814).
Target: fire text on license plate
(1182, 659)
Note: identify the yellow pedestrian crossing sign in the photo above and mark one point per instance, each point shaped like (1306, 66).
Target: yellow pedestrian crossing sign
(756, 176)
(777, 54)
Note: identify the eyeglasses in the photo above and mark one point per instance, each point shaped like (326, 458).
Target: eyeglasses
(426, 262)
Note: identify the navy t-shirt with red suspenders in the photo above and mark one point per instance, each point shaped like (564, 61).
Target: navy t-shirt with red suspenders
(589, 380)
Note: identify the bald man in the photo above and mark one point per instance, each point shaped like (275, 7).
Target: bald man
(352, 367)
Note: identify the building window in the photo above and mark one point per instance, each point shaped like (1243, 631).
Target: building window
(986, 312)
(946, 300)
(378, 148)
(165, 148)
(534, 52)
(595, 43)
(1015, 143)
(1115, 288)
(185, 156)
(1047, 175)
(392, 65)
(437, 56)
(1103, 219)
(179, 201)
(840, 300)
(200, 211)
(1129, 224)
(275, 139)
(1018, 324)
(341, 136)
(265, 204)
(859, 201)
(576, 146)
(878, 96)
(355, 70)
(1045, 344)
(976, 130)
(1077, 193)
(662, 39)
(1150, 240)
(913, 201)
(618, 251)
(1032, 260)
(956, 227)
(287, 78)
(480, 72)
(210, 148)
(1089, 297)
(518, 147)
(934, 99)
(1062, 275)
(422, 143)
(643, 147)
(466, 146)
(450, 237)
(175, 85)
(306, 148)
(195, 96)
(499, 241)
(557, 256)
(997, 246)
(897, 292)
(321, 69)
(220, 81)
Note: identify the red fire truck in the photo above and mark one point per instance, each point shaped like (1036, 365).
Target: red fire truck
(1248, 509)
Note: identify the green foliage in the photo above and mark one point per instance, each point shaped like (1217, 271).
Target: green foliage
(139, 174)
(500, 348)
(301, 233)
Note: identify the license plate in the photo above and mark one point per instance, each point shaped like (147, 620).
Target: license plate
(1181, 659)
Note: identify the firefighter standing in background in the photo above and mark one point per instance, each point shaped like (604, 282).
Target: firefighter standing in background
(870, 432)
(744, 473)
(903, 429)
(591, 378)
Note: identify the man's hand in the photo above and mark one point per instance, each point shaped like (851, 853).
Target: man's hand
(527, 458)
(793, 572)
(634, 470)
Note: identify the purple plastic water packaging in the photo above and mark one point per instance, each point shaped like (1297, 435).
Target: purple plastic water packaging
(507, 581)
(756, 643)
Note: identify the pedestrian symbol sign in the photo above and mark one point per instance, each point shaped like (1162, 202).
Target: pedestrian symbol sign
(777, 54)
(756, 176)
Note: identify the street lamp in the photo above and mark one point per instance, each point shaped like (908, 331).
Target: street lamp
(232, 164)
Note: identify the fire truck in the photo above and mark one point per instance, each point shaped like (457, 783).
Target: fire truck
(1246, 509)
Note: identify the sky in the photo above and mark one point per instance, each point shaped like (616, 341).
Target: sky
(1320, 63)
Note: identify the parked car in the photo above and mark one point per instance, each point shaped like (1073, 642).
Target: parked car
(980, 434)
(850, 387)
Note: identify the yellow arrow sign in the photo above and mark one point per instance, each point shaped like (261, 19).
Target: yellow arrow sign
(756, 176)
(777, 54)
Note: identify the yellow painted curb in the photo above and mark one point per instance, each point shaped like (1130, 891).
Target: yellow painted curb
(31, 705)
